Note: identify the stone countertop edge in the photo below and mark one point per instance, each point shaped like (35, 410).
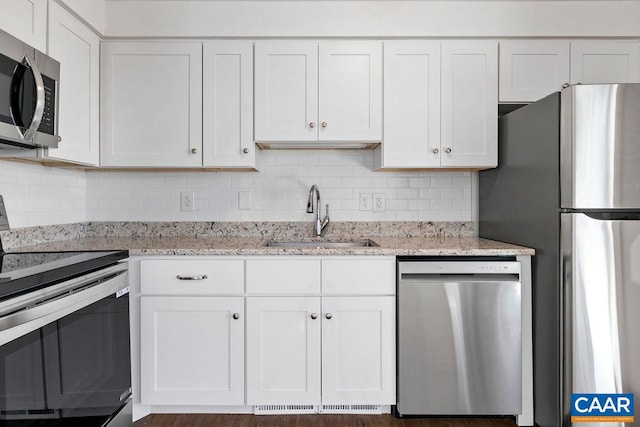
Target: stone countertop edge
(246, 246)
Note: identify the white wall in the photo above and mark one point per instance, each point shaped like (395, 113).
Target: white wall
(279, 192)
(39, 195)
(390, 18)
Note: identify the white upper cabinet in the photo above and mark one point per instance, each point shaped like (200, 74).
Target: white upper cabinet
(26, 20)
(77, 48)
(411, 104)
(286, 85)
(350, 91)
(151, 104)
(328, 91)
(532, 69)
(440, 105)
(227, 136)
(469, 136)
(612, 61)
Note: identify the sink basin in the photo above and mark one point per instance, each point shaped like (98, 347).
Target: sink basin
(323, 245)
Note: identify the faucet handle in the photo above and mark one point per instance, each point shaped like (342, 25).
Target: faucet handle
(326, 209)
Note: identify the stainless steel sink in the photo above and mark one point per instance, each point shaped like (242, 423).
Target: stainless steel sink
(323, 245)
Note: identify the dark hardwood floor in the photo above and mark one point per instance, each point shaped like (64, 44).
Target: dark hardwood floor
(233, 420)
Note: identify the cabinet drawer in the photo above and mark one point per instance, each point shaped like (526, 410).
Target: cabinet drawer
(359, 276)
(283, 276)
(222, 276)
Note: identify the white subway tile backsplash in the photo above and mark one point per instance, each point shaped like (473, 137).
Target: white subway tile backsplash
(38, 195)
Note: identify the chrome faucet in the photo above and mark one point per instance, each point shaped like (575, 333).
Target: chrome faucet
(314, 193)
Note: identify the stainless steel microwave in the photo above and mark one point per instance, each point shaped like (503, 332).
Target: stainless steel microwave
(28, 96)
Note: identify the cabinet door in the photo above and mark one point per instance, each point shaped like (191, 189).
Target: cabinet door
(227, 139)
(411, 104)
(286, 85)
(151, 104)
(192, 350)
(358, 350)
(283, 350)
(469, 104)
(532, 69)
(77, 48)
(26, 20)
(350, 91)
(605, 62)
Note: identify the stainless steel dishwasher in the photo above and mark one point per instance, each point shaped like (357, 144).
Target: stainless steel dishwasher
(459, 337)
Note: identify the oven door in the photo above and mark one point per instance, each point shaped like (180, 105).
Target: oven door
(75, 370)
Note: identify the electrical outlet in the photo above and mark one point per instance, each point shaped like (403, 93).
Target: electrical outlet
(379, 204)
(187, 201)
(365, 201)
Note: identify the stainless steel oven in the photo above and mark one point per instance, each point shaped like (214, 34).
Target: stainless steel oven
(28, 96)
(64, 339)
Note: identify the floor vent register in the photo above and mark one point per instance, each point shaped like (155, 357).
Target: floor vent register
(316, 409)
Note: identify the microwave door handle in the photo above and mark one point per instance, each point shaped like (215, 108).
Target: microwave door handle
(39, 109)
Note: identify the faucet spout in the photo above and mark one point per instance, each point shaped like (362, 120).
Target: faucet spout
(314, 199)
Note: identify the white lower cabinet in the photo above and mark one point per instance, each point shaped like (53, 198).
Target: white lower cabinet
(192, 350)
(283, 350)
(192, 331)
(358, 350)
(312, 350)
(335, 347)
(287, 330)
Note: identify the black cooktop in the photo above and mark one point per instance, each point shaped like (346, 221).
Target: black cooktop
(21, 273)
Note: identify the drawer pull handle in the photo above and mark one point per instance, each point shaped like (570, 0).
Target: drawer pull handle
(203, 277)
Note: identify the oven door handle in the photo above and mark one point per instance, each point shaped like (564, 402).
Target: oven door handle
(40, 98)
(21, 322)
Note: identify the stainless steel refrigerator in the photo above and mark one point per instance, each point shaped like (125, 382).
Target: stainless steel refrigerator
(568, 185)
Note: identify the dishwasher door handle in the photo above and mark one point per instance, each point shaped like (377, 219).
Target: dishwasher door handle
(458, 267)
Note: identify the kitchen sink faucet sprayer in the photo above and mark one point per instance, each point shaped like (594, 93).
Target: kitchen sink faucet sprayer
(314, 193)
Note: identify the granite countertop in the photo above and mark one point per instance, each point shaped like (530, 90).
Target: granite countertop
(241, 245)
(250, 238)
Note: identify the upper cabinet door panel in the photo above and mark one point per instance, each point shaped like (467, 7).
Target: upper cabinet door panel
(77, 48)
(228, 104)
(151, 104)
(286, 91)
(469, 104)
(26, 20)
(350, 91)
(411, 104)
(605, 62)
(532, 69)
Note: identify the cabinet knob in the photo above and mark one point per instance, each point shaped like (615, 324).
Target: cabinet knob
(565, 85)
(314, 316)
(324, 124)
(194, 151)
(328, 315)
(312, 125)
(236, 316)
(435, 151)
(245, 150)
(447, 150)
